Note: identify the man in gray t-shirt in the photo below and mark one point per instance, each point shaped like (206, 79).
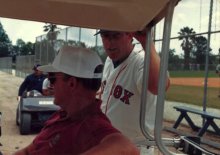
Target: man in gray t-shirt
(47, 88)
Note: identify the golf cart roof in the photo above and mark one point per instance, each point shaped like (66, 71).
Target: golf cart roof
(121, 15)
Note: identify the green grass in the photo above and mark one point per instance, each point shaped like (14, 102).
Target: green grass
(193, 95)
(192, 74)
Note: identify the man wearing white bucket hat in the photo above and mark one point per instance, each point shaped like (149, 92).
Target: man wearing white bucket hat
(79, 127)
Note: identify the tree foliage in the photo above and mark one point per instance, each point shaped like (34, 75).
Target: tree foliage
(174, 58)
(48, 27)
(187, 35)
(195, 48)
(199, 51)
(52, 31)
(22, 48)
(5, 43)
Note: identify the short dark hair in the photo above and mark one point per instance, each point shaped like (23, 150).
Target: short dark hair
(35, 67)
(91, 84)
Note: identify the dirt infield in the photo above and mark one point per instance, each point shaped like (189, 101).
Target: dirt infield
(212, 82)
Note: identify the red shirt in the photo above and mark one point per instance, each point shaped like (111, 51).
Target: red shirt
(64, 136)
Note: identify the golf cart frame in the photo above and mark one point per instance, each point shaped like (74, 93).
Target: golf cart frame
(33, 110)
(113, 15)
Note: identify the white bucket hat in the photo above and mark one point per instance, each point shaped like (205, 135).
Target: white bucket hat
(75, 61)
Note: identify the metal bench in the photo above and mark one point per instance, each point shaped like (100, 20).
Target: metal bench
(209, 119)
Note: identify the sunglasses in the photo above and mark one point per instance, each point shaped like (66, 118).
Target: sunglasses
(52, 78)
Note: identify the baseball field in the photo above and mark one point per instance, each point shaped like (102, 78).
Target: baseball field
(199, 82)
(191, 90)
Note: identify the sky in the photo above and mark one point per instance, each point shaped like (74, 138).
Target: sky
(187, 13)
(190, 13)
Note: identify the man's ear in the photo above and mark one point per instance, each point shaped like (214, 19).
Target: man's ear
(130, 35)
(72, 82)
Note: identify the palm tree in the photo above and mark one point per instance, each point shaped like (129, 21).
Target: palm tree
(51, 30)
(187, 35)
(50, 27)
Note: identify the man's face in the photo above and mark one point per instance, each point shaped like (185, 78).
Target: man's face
(61, 89)
(37, 72)
(118, 45)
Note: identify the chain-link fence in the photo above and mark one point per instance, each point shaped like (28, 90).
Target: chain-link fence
(48, 45)
(21, 67)
(6, 64)
(192, 67)
(24, 65)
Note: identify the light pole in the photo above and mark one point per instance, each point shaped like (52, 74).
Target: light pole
(218, 71)
(207, 58)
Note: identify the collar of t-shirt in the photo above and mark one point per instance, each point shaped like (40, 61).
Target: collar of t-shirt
(61, 115)
(117, 63)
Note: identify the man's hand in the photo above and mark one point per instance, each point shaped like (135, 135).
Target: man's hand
(18, 98)
(141, 36)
